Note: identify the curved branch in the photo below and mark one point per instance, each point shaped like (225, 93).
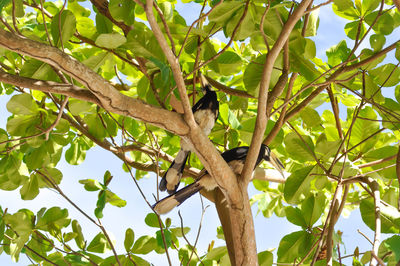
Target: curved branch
(110, 98)
(49, 86)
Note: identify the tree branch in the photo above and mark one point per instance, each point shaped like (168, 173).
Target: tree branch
(110, 98)
(261, 120)
(49, 86)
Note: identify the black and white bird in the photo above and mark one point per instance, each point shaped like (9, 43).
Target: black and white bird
(235, 158)
(205, 113)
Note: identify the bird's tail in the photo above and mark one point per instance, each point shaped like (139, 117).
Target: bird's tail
(167, 204)
(170, 180)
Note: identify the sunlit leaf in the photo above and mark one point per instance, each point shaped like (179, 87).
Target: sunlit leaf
(390, 216)
(293, 246)
(99, 244)
(297, 184)
(63, 28)
(129, 239)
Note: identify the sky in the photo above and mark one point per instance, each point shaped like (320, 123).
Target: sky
(116, 220)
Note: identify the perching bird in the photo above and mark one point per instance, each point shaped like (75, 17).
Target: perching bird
(205, 113)
(235, 158)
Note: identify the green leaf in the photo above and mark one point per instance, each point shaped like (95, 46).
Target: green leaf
(3, 138)
(245, 29)
(363, 129)
(312, 25)
(142, 42)
(224, 113)
(30, 190)
(67, 27)
(165, 70)
(53, 174)
(390, 216)
(76, 153)
(19, 8)
(345, 9)
(298, 184)
(377, 41)
(191, 44)
(369, 5)
(372, 90)
(22, 104)
(100, 204)
(393, 244)
(229, 63)
(217, 253)
(69, 236)
(97, 61)
(139, 261)
(387, 75)
(10, 177)
(252, 75)
(152, 220)
(300, 149)
(122, 11)
(312, 208)
(103, 24)
(293, 246)
(110, 40)
(367, 53)
(129, 239)
(326, 149)
(265, 258)
(338, 53)
(355, 29)
(79, 107)
(144, 245)
(384, 25)
(233, 120)
(178, 231)
(79, 239)
(99, 244)
(397, 93)
(37, 158)
(20, 222)
(272, 25)
(85, 27)
(310, 117)
(4, 3)
(397, 53)
(222, 13)
(167, 10)
(54, 219)
(167, 236)
(304, 66)
(107, 178)
(114, 200)
(295, 216)
(91, 184)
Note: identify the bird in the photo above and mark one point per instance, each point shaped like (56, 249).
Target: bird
(205, 113)
(235, 158)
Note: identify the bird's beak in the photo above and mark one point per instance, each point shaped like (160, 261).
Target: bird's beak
(275, 162)
(203, 80)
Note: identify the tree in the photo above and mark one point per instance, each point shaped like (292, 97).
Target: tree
(81, 74)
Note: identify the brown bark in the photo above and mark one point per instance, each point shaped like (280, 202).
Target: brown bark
(110, 98)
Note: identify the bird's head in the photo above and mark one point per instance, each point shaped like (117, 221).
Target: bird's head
(271, 158)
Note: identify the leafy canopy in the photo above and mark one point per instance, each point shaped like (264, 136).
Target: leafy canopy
(346, 152)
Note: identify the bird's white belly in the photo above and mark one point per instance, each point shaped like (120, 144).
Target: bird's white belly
(205, 119)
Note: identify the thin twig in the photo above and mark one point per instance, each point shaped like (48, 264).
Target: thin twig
(166, 28)
(262, 24)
